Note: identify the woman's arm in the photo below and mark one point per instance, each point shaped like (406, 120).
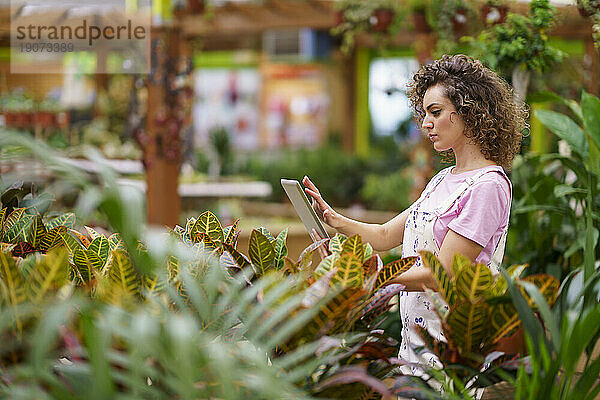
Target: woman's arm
(415, 278)
(381, 236)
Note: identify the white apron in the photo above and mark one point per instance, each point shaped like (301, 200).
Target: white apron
(415, 307)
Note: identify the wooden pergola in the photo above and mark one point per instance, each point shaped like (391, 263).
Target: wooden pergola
(240, 25)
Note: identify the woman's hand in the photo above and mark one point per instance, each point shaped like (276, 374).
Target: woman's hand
(322, 209)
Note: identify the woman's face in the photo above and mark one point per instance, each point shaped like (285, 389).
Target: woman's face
(444, 127)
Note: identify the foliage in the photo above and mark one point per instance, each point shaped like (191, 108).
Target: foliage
(591, 8)
(341, 175)
(358, 16)
(520, 41)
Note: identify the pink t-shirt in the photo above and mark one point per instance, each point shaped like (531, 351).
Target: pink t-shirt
(480, 214)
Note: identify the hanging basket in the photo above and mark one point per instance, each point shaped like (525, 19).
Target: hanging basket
(420, 21)
(460, 22)
(381, 19)
(492, 15)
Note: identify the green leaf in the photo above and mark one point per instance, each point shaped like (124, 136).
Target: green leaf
(53, 238)
(16, 226)
(353, 245)
(540, 97)
(440, 276)
(67, 220)
(2, 216)
(468, 323)
(122, 275)
(71, 243)
(12, 282)
(335, 244)
(240, 260)
(473, 281)
(267, 234)
(349, 271)
(93, 233)
(100, 247)
(368, 250)
(37, 230)
(49, 274)
(115, 242)
(85, 262)
(566, 129)
(504, 321)
(546, 284)
(208, 223)
(230, 232)
(392, 270)
(590, 106)
(261, 251)
(280, 248)
(514, 271)
(326, 265)
(458, 263)
(566, 190)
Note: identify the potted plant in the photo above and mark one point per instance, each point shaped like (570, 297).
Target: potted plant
(591, 9)
(419, 15)
(17, 108)
(45, 114)
(493, 12)
(356, 16)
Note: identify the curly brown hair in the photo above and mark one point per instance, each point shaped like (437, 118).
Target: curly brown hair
(493, 119)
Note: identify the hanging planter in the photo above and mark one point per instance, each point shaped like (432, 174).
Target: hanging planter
(459, 22)
(492, 15)
(420, 22)
(381, 19)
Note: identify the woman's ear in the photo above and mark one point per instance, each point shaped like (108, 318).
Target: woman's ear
(453, 112)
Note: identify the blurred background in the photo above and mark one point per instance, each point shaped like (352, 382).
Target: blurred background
(243, 93)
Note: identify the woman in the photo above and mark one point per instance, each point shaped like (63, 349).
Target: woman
(468, 110)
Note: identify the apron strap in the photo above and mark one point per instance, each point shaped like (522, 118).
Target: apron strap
(435, 181)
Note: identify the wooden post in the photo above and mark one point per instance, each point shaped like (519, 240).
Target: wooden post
(592, 84)
(163, 201)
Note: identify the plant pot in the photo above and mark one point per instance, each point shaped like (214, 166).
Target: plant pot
(11, 119)
(43, 119)
(381, 19)
(459, 22)
(338, 18)
(492, 15)
(513, 344)
(420, 21)
(195, 6)
(62, 119)
(23, 119)
(583, 12)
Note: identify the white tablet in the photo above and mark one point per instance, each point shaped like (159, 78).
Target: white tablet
(303, 208)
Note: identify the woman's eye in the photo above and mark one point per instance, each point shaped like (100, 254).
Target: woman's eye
(436, 112)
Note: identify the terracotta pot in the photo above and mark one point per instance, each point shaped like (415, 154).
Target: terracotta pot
(44, 119)
(62, 119)
(23, 119)
(381, 19)
(195, 6)
(492, 15)
(338, 17)
(459, 22)
(11, 119)
(420, 21)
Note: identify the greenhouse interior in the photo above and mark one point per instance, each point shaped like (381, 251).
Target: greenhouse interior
(315, 199)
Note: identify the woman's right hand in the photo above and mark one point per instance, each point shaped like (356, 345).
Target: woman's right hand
(322, 209)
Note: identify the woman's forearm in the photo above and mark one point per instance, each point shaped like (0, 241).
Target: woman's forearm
(375, 234)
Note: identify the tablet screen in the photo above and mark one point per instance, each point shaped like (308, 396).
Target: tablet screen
(302, 206)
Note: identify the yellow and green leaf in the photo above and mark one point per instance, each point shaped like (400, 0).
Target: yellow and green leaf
(48, 275)
(84, 240)
(504, 321)
(280, 248)
(335, 244)
(71, 242)
(93, 233)
(53, 238)
(67, 220)
(440, 276)
(353, 245)
(267, 234)
(472, 281)
(115, 242)
(230, 232)
(37, 230)
(547, 285)
(122, 275)
(392, 270)
(261, 251)
(458, 263)
(11, 281)
(368, 251)
(326, 265)
(100, 247)
(349, 271)
(208, 223)
(468, 323)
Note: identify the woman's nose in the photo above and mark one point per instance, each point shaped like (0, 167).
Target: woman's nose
(427, 124)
